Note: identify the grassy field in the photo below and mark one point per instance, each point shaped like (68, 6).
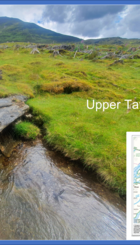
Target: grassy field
(58, 88)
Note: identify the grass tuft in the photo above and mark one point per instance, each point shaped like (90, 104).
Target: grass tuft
(65, 87)
(26, 130)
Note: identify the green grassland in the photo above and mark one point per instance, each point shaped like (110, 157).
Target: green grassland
(58, 89)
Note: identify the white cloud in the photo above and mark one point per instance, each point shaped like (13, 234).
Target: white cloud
(87, 21)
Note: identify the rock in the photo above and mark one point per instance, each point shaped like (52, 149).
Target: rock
(87, 51)
(28, 116)
(42, 46)
(125, 56)
(55, 53)
(136, 56)
(132, 49)
(5, 103)
(65, 47)
(7, 143)
(17, 46)
(35, 51)
(109, 55)
(0, 74)
(5, 47)
(31, 46)
(11, 109)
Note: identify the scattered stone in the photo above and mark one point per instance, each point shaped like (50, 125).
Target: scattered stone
(132, 49)
(31, 46)
(125, 56)
(17, 46)
(109, 55)
(28, 116)
(42, 46)
(55, 53)
(35, 51)
(75, 54)
(65, 47)
(87, 51)
(0, 74)
(5, 47)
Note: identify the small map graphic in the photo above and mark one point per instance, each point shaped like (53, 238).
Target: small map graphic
(136, 185)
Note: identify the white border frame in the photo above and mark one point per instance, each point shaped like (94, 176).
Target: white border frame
(129, 186)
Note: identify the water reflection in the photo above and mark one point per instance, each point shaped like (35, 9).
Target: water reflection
(44, 196)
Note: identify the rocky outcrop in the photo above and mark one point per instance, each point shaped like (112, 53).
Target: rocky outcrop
(42, 46)
(12, 108)
(65, 47)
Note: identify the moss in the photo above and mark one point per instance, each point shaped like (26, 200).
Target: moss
(26, 130)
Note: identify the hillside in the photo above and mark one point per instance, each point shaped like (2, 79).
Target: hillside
(112, 41)
(12, 29)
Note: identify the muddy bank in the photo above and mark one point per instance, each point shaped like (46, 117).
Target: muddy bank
(45, 196)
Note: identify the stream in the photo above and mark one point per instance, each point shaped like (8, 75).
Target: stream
(44, 196)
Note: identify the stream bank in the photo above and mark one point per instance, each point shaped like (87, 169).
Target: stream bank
(45, 196)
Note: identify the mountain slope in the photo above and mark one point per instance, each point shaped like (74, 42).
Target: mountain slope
(12, 29)
(113, 40)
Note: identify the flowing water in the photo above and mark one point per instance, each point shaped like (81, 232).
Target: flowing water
(45, 196)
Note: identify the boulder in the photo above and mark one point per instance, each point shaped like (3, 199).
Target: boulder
(11, 109)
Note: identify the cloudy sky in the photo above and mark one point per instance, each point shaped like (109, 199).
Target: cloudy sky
(84, 21)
